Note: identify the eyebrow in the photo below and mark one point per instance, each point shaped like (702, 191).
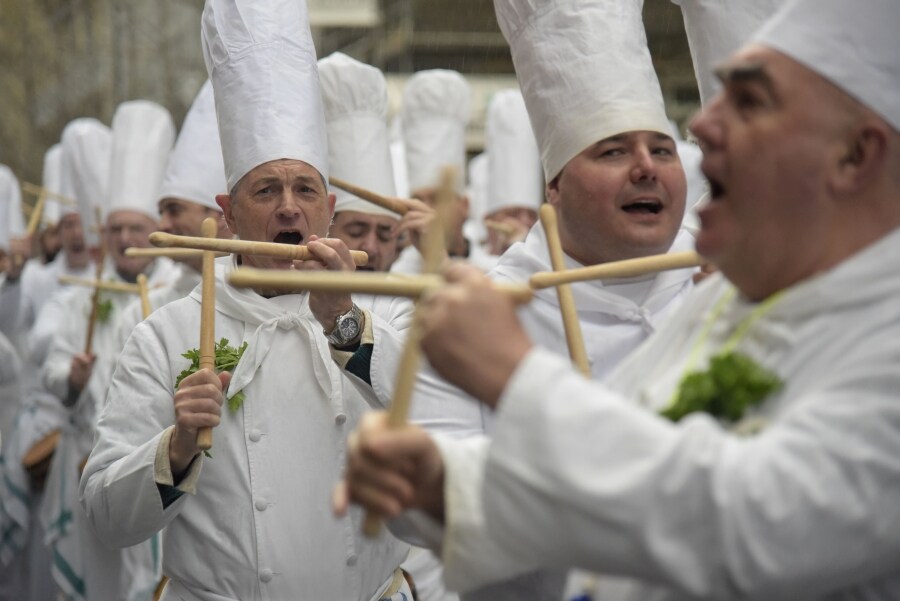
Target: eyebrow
(271, 179)
(747, 73)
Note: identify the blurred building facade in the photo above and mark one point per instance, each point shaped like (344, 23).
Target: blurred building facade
(62, 59)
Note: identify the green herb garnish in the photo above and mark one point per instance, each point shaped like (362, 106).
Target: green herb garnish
(733, 383)
(227, 358)
(104, 310)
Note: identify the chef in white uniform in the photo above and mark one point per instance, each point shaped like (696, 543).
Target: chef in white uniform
(781, 483)
(255, 524)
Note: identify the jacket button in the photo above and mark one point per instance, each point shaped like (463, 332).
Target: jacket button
(340, 419)
(266, 574)
(255, 435)
(351, 559)
(260, 504)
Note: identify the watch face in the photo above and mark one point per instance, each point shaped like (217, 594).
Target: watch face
(349, 328)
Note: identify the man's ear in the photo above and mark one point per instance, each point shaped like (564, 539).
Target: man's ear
(225, 203)
(551, 191)
(332, 199)
(863, 158)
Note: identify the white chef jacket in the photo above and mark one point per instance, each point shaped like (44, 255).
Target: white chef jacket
(21, 301)
(583, 474)
(257, 523)
(81, 565)
(133, 314)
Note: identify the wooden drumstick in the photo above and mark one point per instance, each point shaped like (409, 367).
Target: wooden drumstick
(170, 253)
(618, 269)
(144, 292)
(209, 229)
(397, 205)
(433, 250)
(498, 226)
(294, 252)
(100, 284)
(571, 325)
(383, 284)
(38, 190)
(95, 302)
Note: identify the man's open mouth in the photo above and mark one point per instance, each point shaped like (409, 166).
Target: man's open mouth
(364, 268)
(289, 237)
(716, 189)
(643, 206)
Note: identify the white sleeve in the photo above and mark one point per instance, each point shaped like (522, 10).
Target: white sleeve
(118, 488)
(579, 476)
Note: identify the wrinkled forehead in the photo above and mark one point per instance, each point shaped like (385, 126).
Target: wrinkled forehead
(359, 217)
(283, 171)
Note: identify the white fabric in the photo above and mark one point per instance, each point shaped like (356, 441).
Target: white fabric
(356, 103)
(12, 222)
(21, 304)
(87, 149)
(254, 530)
(691, 509)
(133, 314)
(52, 181)
(514, 161)
(437, 105)
(476, 191)
(142, 137)
(697, 186)
(715, 29)
(83, 567)
(588, 61)
(262, 63)
(410, 260)
(195, 169)
(852, 44)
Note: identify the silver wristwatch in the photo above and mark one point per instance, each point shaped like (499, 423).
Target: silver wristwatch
(347, 328)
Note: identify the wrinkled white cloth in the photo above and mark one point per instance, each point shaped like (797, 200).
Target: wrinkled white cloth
(585, 474)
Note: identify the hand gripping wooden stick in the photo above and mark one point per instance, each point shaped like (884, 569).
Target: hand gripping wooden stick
(209, 229)
(433, 254)
(571, 325)
(294, 252)
(144, 292)
(617, 269)
(397, 205)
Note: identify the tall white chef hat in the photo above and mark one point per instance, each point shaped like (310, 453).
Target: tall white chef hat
(261, 59)
(356, 103)
(86, 158)
(143, 134)
(195, 170)
(514, 160)
(854, 45)
(12, 222)
(51, 178)
(715, 29)
(436, 108)
(584, 70)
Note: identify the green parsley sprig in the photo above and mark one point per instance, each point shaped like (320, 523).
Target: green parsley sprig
(733, 383)
(104, 310)
(227, 358)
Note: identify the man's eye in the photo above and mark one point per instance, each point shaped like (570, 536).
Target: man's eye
(612, 152)
(266, 190)
(662, 150)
